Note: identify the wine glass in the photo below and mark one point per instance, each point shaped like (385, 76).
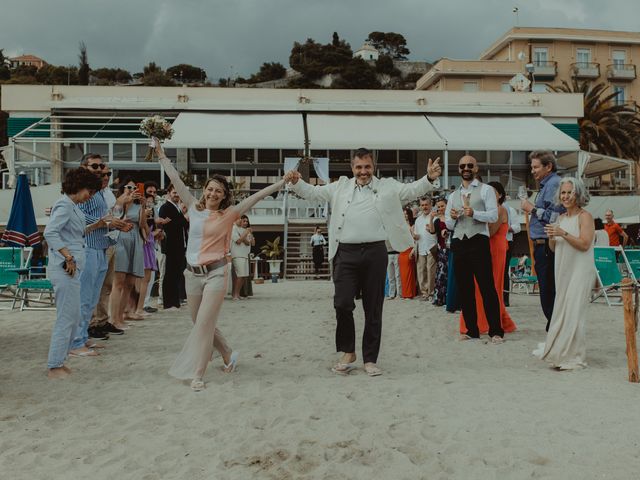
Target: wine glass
(522, 192)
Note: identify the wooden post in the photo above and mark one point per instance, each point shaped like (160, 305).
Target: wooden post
(628, 289)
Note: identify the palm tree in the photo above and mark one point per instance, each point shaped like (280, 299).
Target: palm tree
(607, 128)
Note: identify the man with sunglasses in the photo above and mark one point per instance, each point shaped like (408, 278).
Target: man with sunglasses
(96, 245)
(470, 210)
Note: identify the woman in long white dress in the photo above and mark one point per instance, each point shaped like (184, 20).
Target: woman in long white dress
(572, 240)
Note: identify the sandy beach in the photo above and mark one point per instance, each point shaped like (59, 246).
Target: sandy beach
(442, 410)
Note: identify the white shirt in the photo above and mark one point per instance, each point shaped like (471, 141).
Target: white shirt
(239, 250)
(318, 239)
(514, 223)
(488, 195)
(426, 239)
(389, 196)
(362, 223)
(109, 197)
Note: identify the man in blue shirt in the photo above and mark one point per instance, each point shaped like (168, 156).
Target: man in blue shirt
(98, 222)
(545, 211)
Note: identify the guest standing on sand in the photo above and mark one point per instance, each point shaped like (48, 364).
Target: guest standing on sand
(367, 211)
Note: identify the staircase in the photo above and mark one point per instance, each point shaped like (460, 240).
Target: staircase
(299, 252)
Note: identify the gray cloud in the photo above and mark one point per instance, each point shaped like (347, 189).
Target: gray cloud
(234, 37)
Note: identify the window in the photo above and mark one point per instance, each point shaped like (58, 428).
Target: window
(540, 56)
(583, 57)
(506, 87)
(619, 99)
(619, 58)
(470, 87)
(539, 88)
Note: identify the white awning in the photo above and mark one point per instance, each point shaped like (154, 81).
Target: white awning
(501, 133)
(237, 130)
(377, 132)
(592, 164)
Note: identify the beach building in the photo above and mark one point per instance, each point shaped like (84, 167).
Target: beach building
(248, 134)
(27, 61)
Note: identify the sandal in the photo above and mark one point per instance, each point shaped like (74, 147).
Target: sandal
(373, 370)
(233, 362)
(197, 385)
(497, 340)
(343, 368)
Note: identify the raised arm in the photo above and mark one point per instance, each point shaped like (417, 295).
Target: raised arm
(247, 203)
(174, 176)
(309, 192)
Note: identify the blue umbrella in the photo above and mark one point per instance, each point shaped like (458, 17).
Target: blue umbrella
(21, 228)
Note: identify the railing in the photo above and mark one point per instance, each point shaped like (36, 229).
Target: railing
(585, 70)
(545, 69)
(621, 71)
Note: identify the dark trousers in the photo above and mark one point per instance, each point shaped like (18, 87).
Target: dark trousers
(545, 272)
(472, 259)
(507, 278)
(173, 283)
(359, 268)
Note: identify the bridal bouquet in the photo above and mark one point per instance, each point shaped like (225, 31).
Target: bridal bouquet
(155, 127)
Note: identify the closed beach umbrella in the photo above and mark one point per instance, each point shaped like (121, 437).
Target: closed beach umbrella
(21, 228)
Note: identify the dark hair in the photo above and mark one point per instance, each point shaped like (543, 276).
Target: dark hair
(597, 223)
(501, 192)
(244, 217)
(150, 183)
(545, 157)
(427, 198)
(124, 184)
(77, 179)
(85, 158)
(226, 202)
(170, 187)
(363, 153)
(409, 212)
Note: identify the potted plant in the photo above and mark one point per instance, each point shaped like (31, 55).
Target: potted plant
(272, 251)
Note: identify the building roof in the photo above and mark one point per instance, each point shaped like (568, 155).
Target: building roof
(27, 58)
(368, 47)
(569, 34)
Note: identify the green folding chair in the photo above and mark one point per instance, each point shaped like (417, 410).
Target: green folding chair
(633, 258)
(609, 261)
(10, 264)
(520, 276)
(36, 284)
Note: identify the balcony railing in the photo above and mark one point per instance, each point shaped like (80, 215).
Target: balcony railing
(621, 71)
(585, 70)
(545, 69)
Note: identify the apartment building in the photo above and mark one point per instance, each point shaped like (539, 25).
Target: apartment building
(554, 55)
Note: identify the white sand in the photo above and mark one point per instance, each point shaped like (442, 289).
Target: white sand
(442, 410)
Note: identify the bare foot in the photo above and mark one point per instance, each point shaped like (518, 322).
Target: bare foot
(92, 344)
(56, 373)
(142, 314)
(133, 316)
(66, 369)
(348, 358)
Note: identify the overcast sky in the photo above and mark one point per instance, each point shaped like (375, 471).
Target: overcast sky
(234, 37)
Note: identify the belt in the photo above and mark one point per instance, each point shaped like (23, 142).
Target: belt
(393, 252)
(201, 270)
(539, 241)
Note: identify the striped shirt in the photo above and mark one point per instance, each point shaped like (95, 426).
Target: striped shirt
(94, 209)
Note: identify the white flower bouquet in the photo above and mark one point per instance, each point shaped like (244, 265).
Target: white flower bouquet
(155, 127)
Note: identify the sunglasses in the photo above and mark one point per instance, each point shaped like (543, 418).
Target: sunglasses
(107, 174)
(97, 166)
(468, 166)
(130, 187)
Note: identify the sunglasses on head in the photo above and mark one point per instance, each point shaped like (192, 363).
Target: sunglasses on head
(468, 166)
(97, 166)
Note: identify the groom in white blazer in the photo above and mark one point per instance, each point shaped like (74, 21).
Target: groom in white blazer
(367, 212)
